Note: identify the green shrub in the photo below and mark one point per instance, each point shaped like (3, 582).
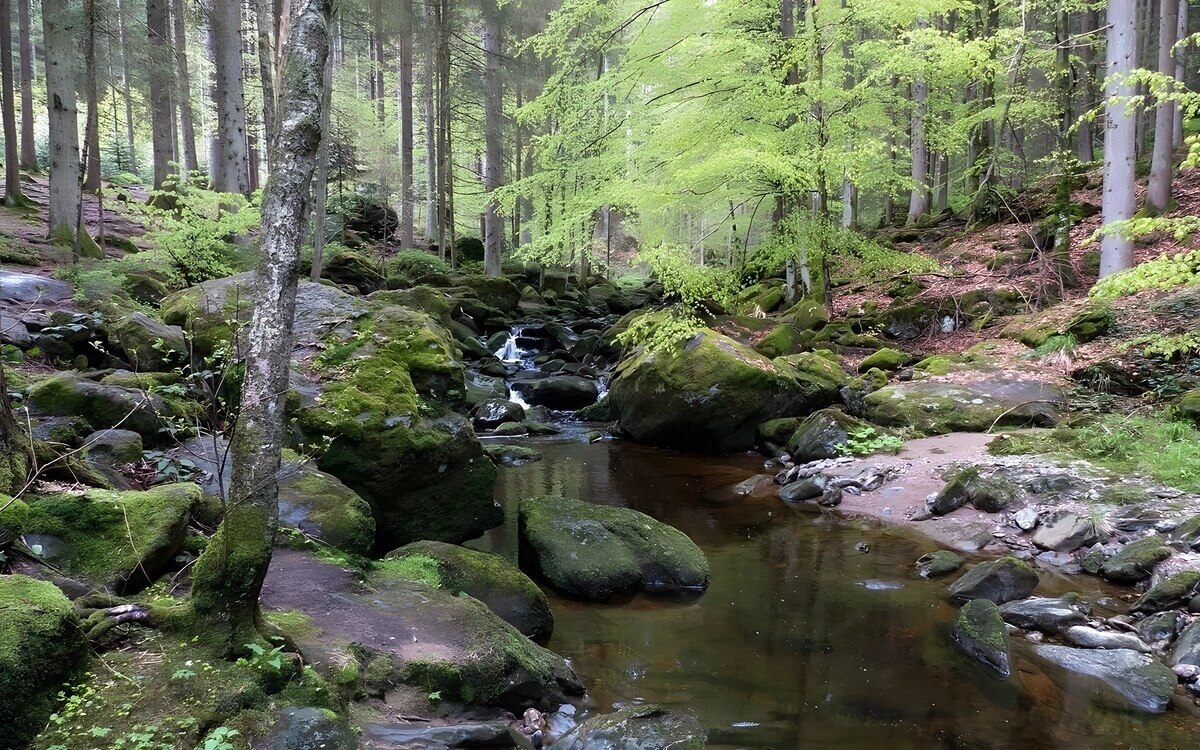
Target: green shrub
(416, 263)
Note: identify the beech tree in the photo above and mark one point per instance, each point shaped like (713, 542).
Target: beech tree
(1158, 189)
(1120, 136)
(229, 165)
(161, 74)
(13, 195)
(228, 577)
(493, 161)
(61, 32)
(25, 33)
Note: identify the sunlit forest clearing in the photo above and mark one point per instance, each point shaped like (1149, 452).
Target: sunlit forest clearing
(599, 374)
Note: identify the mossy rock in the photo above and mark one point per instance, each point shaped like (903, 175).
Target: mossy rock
(1088, 323)
(433, 302)
(322, 507)
(40, 645)
(489, 578)
(149, 344)
(1175, 590)
(354, 270)
(512, 455)
(779, 431)
(710, 393)
(823, 434)
(119, 541)
(1004, 580)
(498, 291)
(990, 494)
(596, 552)
(939, 563)
(1124, 494)
(1136, 560)
(70, 395)
(980, 633)
(885, 359)
(806, 315)
(601, 411)
(1187, 407)
(994, 400)
(940, 364)
(141, 381)
(781, 341)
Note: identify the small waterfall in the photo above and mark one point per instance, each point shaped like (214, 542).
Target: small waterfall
(511, 353)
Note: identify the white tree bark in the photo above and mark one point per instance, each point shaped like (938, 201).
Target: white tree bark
(1158, 190)
(493, 160)
(61, 33)
(231, 169)
(918, 202)
(1120, 135)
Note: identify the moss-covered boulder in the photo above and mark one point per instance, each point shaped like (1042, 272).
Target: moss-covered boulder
(497, 291)
(823, 434)
(1119, 678)
(354, 271)
(999, 581)
(806, 315)
(512, 455)
(395, 629)
(781, 340)
(596, 552)
(641, 727)
(886, 359)
(148, 343)
(779, 431)
(980, 633)
(939, 563)
(1089, 322)
(103, 406)
(976, 404)
(990, 494)
(560, 392)
(1136, 560)
(489, 578)
(760, 299)
(322, 507)
(40, 644)
(710, 393)
(118, 541)
(1187, 407)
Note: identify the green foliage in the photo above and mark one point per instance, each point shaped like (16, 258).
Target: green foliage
(1057, 344)
(415, 264)
(660, 332)
(1166, 272)
(865, 441)
(1166, 347)
(200, 234)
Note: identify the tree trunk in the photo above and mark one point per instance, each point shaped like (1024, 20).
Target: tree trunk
(60, 29)
(493, 159)
(187, 115)
(231, 171)
(918, 204)
(1089, 27)
(28, 144)
(161, 74)
(377, 52)
(321, 182)
(91, 128)
(406, 124)
(1120, 136)
(1181, 32)
(431, 203)
(228, 577)
(13, 195)
(1158, 189)
(264, 19)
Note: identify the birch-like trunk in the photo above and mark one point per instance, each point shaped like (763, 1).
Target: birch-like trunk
(1089, 23)
(1120, 135)
(1181, 32)
(1158, 189)
(918, 204)
(431, 201)
(231, 169)
(321, 181)
(493, 134)
(228, 577)
(91, 128)
(61, 32)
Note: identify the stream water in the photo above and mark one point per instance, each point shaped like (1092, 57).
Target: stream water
(803, 640)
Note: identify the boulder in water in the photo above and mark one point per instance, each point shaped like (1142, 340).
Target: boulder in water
(596, 552)
(998, 581)
(1175, 590)
(823, 434)
(979, 632)
(561, 393)
(1136, 560)
(495, 412)
(1064, 531)
(1120, 678)
(1046, 615)
(939, 563)
(642, 727)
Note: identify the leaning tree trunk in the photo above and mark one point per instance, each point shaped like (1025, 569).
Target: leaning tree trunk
(1120, 136)
(228, 577)
(231, 171)
(1158, 189)
(60, 30)
(161, 74)
(12, 166)
(28, 145)
(493, 160)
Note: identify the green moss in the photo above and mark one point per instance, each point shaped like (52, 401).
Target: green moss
(1173, 591)
(779, 431)
(940, 364)
(1124, 494)
(226, 579)
(412, 567)
(884, 359)
(1136, 560)
(142, 381)
(781, 341)
(40, 644)
(115, 538)
(338, 515)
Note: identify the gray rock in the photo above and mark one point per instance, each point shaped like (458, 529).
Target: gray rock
(69, 395)
(1187, 648)
(939, 563)
(998, 581)
(1062, 531)
(647, 727)
(1136, 560)
(14, 332)
(804, 489)
(1120, 678)
(1088, 637)
(149, 344)
(424, 737)
(495, 412)
(979, 632)
(1026, 519)
(307, 729)
(822, 435)
(1046, 615)
(1160, 626)
(26, 287)
(567, 392)
(1170, 592)
(114, 447)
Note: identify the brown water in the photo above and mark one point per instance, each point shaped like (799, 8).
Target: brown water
(802, 640)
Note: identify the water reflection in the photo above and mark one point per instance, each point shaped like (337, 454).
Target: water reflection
(803, 640)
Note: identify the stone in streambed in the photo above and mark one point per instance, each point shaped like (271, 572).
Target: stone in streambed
(989, 494)
(1171, 592)
(563, 393)
(1120, 678)
(639, 727)
(1136, 560)
(999, 581)
(512, 455)
(1088, 637)
(823, 434)
(939, 563)
(1046, 615)
(979, 632)
(495, 412)
(1063, 531)
(804, 489)
(596, 552)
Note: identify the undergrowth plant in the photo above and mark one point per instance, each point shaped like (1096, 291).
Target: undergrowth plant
(865, 441)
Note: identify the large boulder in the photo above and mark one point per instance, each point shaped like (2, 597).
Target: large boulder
(307, 728)
(40, 644)
(710, 393)
(1175, 590)
(117, 541)
(999, 581)
(823, 434)
(1064, 531)
(976, 405)
(319, 505)
(148, 343)
(595, 552)
(979, 632)
(1120, 678)
(639, 727)
(354, 270)
(414, 633)
(1050, 616)
(489, 578)
(496, 411)
(103, 406)
(565, 392)
(1136, 560)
